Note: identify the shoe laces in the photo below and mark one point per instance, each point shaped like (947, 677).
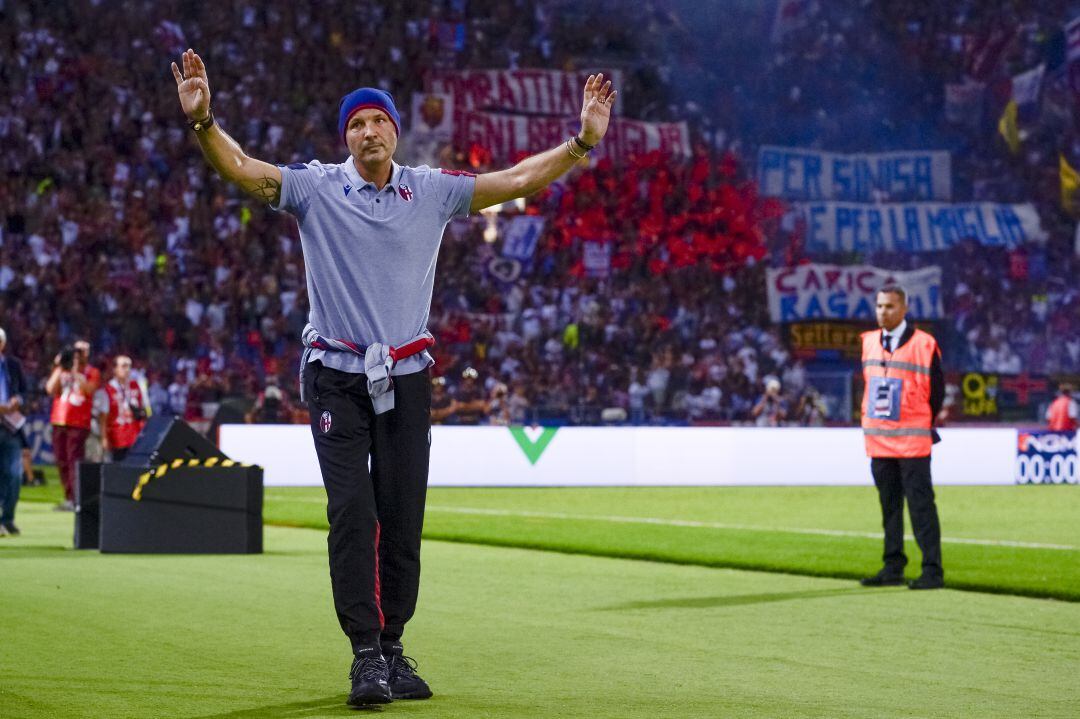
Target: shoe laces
(364, 668)
(402, 667)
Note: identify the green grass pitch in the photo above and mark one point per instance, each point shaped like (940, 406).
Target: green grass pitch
(507, 631)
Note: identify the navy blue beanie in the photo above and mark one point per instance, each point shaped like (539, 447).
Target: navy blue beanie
(362, 99)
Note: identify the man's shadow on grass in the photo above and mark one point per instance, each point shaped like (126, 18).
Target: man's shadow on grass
(332, 706)
(735, 600)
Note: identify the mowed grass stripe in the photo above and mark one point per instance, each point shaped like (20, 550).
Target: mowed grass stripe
(877, 536)
(838, 528)
(531, 519)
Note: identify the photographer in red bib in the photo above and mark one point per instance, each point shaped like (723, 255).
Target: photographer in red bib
(905, 389)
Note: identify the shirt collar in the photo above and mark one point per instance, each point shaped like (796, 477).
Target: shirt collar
(359, 182)
(897, 331)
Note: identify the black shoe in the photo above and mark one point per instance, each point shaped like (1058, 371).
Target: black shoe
(884, 578)
(404, 682)
(925, 582)
(11, 529)
(370, 679)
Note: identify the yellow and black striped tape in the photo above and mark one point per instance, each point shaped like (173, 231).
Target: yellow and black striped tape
(145, 477)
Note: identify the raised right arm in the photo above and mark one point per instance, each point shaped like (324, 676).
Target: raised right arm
(258, 179)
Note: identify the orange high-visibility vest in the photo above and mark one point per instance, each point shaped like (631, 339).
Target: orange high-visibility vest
(896, 416)
(1058, 419)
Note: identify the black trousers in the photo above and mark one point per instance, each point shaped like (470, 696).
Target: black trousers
(897, 478)
(376, 516)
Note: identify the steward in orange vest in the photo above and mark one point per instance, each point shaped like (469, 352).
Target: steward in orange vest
(1062, 413)
(905, 389)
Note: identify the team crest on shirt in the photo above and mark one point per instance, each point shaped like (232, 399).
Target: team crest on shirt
(405, 192)
(325, 421)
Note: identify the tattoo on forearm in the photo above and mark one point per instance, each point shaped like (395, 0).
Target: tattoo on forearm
(266, 189)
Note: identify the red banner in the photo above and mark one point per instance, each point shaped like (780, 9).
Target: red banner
(509, 136)
(526, 91)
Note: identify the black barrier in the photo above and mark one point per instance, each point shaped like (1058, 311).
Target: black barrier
(165, 439)
(87, 504)
(194, 510)
(175, 492)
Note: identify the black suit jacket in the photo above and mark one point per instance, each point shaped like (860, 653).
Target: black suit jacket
(16, 381)
(937, 376)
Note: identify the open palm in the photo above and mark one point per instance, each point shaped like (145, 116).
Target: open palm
(192, 86)
(596, 108)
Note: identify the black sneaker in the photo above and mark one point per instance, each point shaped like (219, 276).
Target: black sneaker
(404, 681)
(884, 578)
(370, 679)
(11, 529)
(927, 581)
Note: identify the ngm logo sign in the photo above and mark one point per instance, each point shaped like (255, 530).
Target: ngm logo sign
(1046, 458)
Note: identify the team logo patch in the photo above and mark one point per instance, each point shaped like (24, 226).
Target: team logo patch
(325, 421)
(347, 188)
(405, 192)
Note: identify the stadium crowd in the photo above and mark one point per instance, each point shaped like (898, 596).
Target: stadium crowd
(115, 230)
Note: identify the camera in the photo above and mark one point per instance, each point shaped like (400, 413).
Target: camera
(137, 411)
(67, 358)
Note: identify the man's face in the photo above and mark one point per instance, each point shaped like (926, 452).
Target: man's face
(890, 310)
(122, 369)
(371, 136)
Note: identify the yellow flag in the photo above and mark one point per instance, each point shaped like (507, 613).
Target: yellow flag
(1070, 183)
(1009, 128)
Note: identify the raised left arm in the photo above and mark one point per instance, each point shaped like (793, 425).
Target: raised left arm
(538, 171)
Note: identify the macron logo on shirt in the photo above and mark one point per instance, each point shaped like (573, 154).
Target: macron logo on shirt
(347, 188)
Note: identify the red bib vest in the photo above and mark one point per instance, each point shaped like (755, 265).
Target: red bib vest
(73, 408)
(121, 427)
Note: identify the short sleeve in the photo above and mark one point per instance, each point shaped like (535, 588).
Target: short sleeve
(455, 190)
(298, 183)
(101, 402)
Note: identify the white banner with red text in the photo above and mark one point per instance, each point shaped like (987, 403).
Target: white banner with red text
(847, 292)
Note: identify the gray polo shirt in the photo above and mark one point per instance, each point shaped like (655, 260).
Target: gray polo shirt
(370, 255)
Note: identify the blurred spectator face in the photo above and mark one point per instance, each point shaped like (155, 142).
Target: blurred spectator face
(122, 368)
(371, 137)
(82, 351)
(890, 310)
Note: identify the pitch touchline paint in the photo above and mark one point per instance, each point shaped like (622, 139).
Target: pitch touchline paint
(747, 527)
(708, 525)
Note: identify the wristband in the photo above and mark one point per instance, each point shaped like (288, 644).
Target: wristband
(581, 143)
(204, 124)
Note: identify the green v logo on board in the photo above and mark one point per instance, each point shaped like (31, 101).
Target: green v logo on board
(533, 440)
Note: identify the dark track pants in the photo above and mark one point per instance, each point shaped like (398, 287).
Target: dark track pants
(375, 516)
(897, 478)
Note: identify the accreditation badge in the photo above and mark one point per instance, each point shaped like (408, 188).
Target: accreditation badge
(885, 394)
